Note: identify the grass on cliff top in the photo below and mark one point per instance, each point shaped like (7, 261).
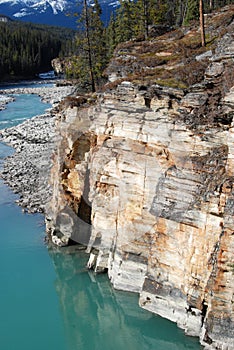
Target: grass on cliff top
(172, 63)
(171, 59)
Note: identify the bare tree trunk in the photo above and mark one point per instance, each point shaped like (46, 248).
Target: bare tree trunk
(211, 5)
(202, 25)
(146, 18)
(89, 45)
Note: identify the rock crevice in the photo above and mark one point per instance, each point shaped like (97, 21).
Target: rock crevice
(143, 176)
(160, 198)
(152, 167)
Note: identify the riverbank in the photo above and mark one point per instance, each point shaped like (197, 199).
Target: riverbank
(51, 94)
(27, 170)
(4, 100)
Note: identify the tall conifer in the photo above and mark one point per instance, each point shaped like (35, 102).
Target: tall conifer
(91, 45)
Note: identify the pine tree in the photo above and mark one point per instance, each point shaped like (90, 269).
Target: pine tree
(192, 11)
(91, 49)
(110, 36)
(125, 21)
(87, 28)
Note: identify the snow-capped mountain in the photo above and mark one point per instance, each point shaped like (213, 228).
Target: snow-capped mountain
(53, 12)
(21, 8)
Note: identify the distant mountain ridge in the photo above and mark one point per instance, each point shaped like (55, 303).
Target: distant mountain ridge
(53, 12)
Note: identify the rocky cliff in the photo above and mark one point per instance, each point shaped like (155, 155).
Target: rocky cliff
(143, 176)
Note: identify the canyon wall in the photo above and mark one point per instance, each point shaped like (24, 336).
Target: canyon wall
(143, 176)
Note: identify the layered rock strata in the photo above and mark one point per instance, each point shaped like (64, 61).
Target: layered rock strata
(144, 178)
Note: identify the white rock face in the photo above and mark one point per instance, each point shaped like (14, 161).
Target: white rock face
(154, 202)
(146, 174)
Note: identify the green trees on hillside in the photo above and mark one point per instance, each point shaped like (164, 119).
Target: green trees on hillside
(188, 10)
(27, 49)
(90, 54)
(133, 19)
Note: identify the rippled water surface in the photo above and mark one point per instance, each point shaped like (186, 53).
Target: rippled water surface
(49, 301)
(24, 107)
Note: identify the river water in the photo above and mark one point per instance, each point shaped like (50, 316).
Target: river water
(49, 301)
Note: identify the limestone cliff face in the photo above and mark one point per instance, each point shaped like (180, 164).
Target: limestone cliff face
(143, 175)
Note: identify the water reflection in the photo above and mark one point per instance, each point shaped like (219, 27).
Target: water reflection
(98, 317)
(95, 316)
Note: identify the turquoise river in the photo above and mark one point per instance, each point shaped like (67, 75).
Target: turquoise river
(48, 299)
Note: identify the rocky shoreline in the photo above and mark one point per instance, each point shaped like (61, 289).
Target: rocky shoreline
(27, 170)
(4, 100)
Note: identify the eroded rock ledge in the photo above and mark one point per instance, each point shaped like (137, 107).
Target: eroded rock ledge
(144, 178)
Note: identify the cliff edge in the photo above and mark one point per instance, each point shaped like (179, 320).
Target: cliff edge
(143, 176)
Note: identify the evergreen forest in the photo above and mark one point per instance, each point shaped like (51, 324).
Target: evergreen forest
(27, 49)
(138, 20)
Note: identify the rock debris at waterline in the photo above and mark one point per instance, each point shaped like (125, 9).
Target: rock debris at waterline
(27, 170)
(4, 100)
(48, 94)
(159, 162)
